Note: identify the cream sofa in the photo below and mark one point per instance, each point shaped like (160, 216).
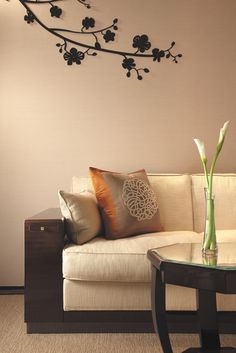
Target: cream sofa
(106, 282)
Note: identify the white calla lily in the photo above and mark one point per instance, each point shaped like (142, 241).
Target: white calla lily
(201, 149)
(223, 131)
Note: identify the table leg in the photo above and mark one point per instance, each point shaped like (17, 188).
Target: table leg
(207, 316)
(208, 325)
(159, 310)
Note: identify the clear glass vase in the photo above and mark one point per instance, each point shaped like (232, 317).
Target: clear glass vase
(209, 245)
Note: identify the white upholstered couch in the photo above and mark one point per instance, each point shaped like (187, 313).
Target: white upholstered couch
(114, 276)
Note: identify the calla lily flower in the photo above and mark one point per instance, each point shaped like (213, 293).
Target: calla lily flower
(201, 149)
(223, 131)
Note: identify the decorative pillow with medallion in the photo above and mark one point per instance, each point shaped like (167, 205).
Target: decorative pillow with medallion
(128, 204)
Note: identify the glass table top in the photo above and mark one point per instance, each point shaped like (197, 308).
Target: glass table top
(191, 254)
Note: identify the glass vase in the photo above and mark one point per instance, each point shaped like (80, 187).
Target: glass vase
(209, 245)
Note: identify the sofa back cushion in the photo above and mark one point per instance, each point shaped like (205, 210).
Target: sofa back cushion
(224, 188)
(174, 198)
(80, 184)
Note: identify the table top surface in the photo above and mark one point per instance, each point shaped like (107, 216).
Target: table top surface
(191, 254)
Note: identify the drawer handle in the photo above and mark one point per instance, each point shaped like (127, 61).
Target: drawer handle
(41, 228)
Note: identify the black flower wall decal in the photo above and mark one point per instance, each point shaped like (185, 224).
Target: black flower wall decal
(55, 11)
(158, 54)
(109, 36)
(129, 64)
(74, 51)
(29, 17)
(88, 22)
(141, 43)
(73, 56)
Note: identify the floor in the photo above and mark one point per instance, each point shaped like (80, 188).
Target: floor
(13, 337)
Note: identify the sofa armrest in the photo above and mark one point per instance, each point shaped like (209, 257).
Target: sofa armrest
(50, 214)
(44, 242)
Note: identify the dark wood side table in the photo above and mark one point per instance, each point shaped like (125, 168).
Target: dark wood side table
(182, 265)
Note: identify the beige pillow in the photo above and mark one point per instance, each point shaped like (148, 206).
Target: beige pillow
(83, 221)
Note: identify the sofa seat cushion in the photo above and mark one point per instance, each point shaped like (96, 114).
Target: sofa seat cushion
(121, 260)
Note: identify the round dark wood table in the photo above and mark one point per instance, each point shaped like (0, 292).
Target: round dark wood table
(183, 265)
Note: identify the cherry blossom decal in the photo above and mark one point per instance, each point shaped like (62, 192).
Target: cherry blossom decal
(139, 198)
(74, 51)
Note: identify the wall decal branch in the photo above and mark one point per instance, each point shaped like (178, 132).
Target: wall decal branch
(40, 2)
(85, 3)
(141, 43)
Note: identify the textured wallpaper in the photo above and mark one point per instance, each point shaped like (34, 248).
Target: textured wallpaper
(58, 119)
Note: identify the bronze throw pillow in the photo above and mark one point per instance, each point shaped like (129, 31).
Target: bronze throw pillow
(128, 204)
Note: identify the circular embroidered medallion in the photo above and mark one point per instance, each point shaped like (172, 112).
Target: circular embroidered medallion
(139, 198)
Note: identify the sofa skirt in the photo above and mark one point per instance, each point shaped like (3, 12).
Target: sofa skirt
(82, 295)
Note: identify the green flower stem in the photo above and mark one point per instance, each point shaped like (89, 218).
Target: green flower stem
(204, 162)
(210, 236)
(218, 149)
(212, 172)
(210, 239)
(213, 243)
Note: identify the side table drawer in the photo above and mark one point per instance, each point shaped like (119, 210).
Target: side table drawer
(42, 227)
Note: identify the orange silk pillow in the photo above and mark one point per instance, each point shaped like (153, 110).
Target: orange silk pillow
(127, 202)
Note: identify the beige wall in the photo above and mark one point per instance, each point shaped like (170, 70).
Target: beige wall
(56, 120)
